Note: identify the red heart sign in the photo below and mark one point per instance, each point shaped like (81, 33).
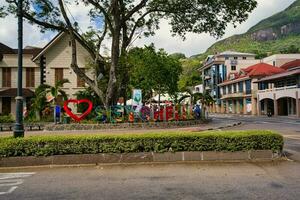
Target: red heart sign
(75, 117)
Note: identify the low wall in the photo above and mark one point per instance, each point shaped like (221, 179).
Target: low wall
(152, 125)
(150, 157)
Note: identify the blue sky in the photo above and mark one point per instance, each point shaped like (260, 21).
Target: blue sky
(194, 44)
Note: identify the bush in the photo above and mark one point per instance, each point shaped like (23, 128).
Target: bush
(6, 119)
(150, 142)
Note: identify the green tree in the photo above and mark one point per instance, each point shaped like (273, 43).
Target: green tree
(153, 70)
(124, 21)
(38, 102)
(178, 56)
(290, 49)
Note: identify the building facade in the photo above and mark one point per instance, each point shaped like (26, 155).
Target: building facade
(47, 65)
(8, 75)
(239, 93)
(280, 94)
(218, 68)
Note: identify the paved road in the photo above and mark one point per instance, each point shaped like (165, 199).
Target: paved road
(288, 127)
(277, 180)
(165, 182)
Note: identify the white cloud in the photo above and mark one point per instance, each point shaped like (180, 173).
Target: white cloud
(194, 44)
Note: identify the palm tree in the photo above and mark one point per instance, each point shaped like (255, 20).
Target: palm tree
(57, 91)
(205, 100)
(39, 100)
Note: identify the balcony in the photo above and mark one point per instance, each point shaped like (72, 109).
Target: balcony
(289, 91)
(278, 89)
(233, 95)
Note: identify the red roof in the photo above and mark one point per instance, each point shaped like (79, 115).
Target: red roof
(262, 69)
(290, 65)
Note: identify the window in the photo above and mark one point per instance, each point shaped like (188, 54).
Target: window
(229, 89)
(226, 58)
(234, 88)
(80, 81)
(30, 77)
(6, 77)
(291, 82)
(241, 87)
(274, 63)
(235, 58)
(59, 74)
(248, 87)
(233, 68)
(224, 90)
(244, 58)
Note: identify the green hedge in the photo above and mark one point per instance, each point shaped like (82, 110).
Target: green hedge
(150, 142)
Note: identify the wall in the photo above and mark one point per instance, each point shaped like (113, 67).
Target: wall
(59, 56)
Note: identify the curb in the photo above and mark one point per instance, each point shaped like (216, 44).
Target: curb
(226, 126)
(147, 157)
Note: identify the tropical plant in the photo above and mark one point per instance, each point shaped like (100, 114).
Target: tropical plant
(39, 101)
(56, 91)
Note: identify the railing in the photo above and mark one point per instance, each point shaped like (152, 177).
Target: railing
(278, 89)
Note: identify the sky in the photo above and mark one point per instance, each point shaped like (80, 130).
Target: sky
(194, 43)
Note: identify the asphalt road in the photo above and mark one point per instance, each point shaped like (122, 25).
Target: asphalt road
(271, 180)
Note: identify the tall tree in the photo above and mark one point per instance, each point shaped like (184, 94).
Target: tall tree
(153, 71)
(123, 21)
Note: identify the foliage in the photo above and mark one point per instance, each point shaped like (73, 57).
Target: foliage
(89, 94)
(38, 102)
(151, 70)
(246, 43)
(289, 15)
(190, 75)
(57, 90)
(149, 142)
(6, 119)
(124, 21)
(178, 56)
(290, 49)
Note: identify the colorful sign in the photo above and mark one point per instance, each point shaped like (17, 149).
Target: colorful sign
(75, 101)
(137, 97)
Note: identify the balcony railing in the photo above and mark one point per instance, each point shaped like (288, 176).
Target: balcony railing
(279, 89)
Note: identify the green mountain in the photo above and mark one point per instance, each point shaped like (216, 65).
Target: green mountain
(278, 33)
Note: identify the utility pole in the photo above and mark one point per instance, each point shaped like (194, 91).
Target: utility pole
(19, 128)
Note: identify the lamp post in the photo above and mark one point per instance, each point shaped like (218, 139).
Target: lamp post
(19, 128)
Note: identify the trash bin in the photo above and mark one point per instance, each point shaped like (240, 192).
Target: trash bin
(67, 120)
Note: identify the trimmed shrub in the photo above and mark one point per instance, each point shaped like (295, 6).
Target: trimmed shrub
(6, 119)
(150, 142)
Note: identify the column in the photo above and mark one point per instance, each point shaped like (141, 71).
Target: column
(222, 110)
(254, 106)
(258, 106)
(297, 104)
(238, 107)
(227, 106)
(244, 106)
(275, 105)
(233, 107)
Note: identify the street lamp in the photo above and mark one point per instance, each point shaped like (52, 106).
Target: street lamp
(19, 128)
